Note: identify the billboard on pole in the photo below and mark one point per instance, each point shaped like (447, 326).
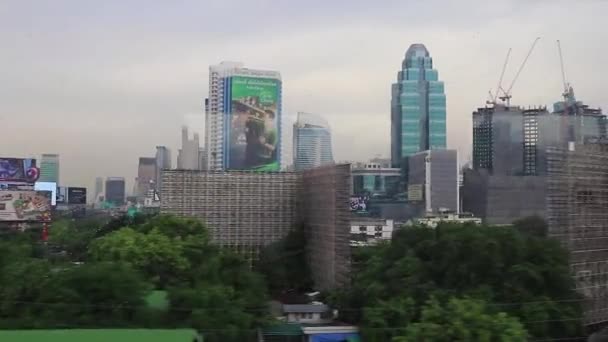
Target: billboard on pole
(48, 186)
(77, 195)
(25, 205)
(18, 170)
(253, 126)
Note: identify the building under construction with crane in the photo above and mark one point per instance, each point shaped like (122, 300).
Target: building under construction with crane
(510, 143)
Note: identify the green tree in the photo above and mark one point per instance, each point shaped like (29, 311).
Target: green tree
(462, 320)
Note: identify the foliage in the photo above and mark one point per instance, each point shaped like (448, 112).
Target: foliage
(462, 320)
(284, 264)
(525, 276)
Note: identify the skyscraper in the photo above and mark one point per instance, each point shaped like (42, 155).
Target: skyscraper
(311, 142)
(418, 107)
(49, 168)
(146, 173)
(188, 156)
(163, 162)
(243, 118)
(115, 190)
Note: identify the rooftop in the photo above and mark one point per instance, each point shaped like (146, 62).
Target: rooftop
(306, 308)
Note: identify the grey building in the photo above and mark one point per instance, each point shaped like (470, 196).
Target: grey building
(115, 190)
(577, 203)
(435, 173)
(311, 142)
(163, 162)
(247, 210)
(501, 199)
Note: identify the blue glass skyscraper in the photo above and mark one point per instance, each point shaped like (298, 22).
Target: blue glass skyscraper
(311, 142)
(418, 107)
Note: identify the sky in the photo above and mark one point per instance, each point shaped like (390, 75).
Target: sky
(103, 82)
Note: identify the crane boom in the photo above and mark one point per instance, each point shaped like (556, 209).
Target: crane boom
(502, 74)
(561, 63)
(521, 67)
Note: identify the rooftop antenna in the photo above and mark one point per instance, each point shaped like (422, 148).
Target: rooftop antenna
(507, 94)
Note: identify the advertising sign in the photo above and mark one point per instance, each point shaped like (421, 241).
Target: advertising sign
(253, 130)
(25, 206)
(18, 170)
(415, 192)
(359, 203)
(77, 195)
(48, 186)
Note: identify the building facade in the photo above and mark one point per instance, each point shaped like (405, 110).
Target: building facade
(369, 231)
(434, 175)
(418, 107)
(243, 118)
(146, 173)
(243, 210)
(311, 142)
(115, 190)
(377, 181)
(49, 168)
(188, 156)
(577, 199)
(163, 162)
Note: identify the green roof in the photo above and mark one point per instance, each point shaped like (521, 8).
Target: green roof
(98, 335)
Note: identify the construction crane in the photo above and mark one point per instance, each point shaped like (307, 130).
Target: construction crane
(568, 93)
(492, 99)
(506, 97)
(570, 107)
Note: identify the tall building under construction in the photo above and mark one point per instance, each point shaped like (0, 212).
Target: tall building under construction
(577, 214)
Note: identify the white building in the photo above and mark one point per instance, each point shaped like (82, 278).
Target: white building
(216, 105)
(307, 313)
(433, 220)
(368, 231)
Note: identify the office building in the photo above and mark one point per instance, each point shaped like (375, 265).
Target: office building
(163, 162)
(418, 107)
(243, 118)
(369, 231)
(49, 168)
(246, 211)
(433, 180)
(115, 191)
(98, 189)
(577, 215)
(146, 173)
(311, 142)
(377, 181)
(188, 156)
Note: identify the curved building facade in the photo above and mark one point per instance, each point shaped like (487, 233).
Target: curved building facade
(418, 107)
(311, 142)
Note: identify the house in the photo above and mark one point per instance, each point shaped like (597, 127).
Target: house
(307, 313)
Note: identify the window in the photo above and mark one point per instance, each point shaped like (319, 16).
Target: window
(362, 228)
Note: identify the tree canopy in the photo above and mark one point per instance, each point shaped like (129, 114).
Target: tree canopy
(511, 276)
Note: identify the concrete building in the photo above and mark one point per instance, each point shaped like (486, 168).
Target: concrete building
(307, 313)
(370, 231)
(246, 211)
(500, 199)
(243, 118)
(311, 142)
(577, 203)
(146, 174)
(188, 157)
(433, 180)
(418, 107)
(49, 168)
(243, 210)
(323, 207)
(163, 162)
(433, 220)
(115, 191)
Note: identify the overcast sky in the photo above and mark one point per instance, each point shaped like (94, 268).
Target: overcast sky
(103, 82)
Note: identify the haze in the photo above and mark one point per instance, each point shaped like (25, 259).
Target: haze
(102, 83)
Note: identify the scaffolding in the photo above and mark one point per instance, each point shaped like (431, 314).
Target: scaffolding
(577, 214)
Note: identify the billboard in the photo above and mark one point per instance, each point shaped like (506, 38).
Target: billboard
(48, 186)
(359, 204)
(415, 192)
(77, 195)
(253, 127)
(25, 205)
(18, 170)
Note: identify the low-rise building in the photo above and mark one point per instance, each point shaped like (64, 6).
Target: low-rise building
(307, 313)
(444, 217)
(369, 231)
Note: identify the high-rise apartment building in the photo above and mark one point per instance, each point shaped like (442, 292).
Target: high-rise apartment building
(311, 142)
(243, 118)
(49, 168)
(115, 190)
(418, 107)
(163, 162)
(188, 156)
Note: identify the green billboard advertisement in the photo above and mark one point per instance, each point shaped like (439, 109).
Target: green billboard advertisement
(253, 130)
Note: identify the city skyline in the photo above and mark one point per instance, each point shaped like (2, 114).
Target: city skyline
(131, 87)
